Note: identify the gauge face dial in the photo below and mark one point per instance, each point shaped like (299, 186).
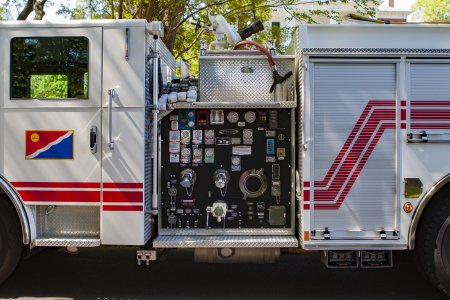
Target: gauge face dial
(197, 134)
(233, 117)
(236, 161)
(209, 134)
(248, 133)
(185, 134)
(250, 117)
(186, 152)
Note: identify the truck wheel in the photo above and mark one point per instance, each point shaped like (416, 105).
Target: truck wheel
(433, 241)
(11, 247)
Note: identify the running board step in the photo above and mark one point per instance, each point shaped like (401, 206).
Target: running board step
(225, 242)
(65, 242)
(340, 259)
(354, 259)
(377, 259)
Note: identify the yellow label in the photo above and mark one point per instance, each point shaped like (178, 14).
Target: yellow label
(35, 137)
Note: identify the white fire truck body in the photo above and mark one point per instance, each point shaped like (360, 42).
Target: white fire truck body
(347, 156)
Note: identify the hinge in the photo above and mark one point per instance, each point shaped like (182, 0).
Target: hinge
(305, 65)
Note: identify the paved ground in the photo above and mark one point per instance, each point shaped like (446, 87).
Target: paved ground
(112, 273)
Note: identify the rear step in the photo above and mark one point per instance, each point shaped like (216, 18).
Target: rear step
(340, 259)
(377, 259)
(354, 259)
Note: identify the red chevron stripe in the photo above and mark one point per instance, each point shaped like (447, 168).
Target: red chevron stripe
(371, 125)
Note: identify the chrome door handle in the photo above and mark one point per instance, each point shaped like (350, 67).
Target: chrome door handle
(111, 94)
(93, 139)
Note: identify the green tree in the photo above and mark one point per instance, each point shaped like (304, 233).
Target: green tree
(432, 10)
(182, 38)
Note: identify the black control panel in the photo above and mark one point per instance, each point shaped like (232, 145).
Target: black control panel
(224, 168)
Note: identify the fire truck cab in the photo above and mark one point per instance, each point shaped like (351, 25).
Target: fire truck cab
(339, 148)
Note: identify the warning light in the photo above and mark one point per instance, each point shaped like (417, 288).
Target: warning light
(408, 207)
(306, 236)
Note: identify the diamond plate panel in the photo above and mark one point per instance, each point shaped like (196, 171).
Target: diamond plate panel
(241, 78)
(66, 243)
(67, 222)
(250, 104)
(374, 51)
(225, 242)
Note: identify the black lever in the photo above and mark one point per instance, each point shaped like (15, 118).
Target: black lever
(278, 79)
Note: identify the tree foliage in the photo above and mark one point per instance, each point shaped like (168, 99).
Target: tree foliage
(181, 36)
(432, 10)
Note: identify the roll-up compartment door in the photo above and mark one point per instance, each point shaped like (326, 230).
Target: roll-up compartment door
(353, 164)
(429, 95)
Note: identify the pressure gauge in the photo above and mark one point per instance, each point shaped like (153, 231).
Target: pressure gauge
(250, 117)
(248, 133)
(233, 117)
(209, 134)
(186, 152)
(235, 160)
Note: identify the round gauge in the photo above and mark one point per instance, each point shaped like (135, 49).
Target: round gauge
(191, 114)
(281, 137)
(172, 219)
(233, 117)
(236, 161)
(248, 133)
(191, 124)
(209, 134)
(185, 134)
(197, 134)
(250, 117)
(186, 152)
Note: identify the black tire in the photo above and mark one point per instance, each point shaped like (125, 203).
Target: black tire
(11, 246)
(433, 241)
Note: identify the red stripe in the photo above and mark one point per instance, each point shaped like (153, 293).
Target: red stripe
(123, 185)
(306, 206)
(60, 196)
(403, 126)
(56, 184)
(403, 114)
(403, 103)
(430, 103)
(120, 196)
(352, 154)
(122, 208)
(306, 184)
(429, 126)
(306, 195)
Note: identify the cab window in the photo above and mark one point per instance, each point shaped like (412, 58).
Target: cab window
(49, 68)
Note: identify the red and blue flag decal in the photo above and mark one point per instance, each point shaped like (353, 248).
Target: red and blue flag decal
(49, 144)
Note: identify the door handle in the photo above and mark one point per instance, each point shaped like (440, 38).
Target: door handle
(111, 94)
(93, 139)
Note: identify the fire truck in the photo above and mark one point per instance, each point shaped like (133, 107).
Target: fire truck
(339, 147)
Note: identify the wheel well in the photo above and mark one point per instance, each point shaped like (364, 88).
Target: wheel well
(442, 186)
(10, 195)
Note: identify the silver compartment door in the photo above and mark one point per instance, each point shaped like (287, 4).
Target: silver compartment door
(353, 193)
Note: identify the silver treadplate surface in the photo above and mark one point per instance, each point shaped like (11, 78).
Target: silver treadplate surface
(225, 242)
(55, 242)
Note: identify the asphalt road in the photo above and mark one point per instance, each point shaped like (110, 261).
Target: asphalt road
(112, 273)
